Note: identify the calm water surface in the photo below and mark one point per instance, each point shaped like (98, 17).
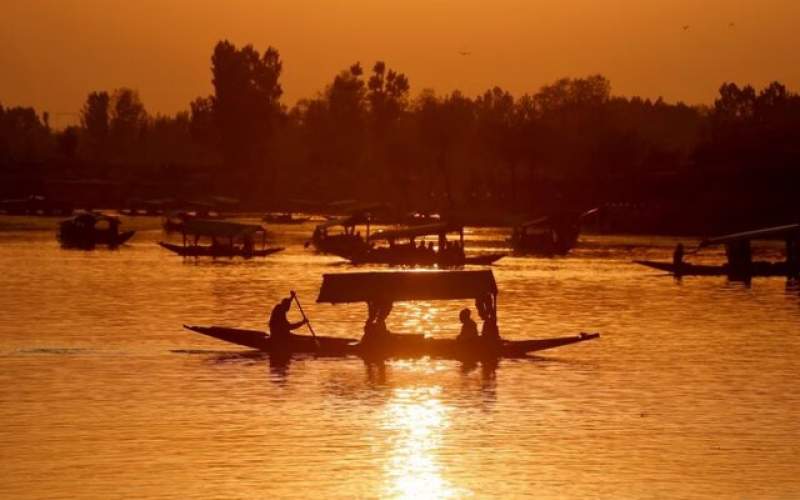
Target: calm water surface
(691, 392)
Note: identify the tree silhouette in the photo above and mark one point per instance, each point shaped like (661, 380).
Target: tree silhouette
(95, 119)
(128, 121)
(246, 104)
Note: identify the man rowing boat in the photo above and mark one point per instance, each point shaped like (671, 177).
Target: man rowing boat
(280, 328)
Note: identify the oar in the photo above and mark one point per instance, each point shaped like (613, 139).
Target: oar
(308, 323)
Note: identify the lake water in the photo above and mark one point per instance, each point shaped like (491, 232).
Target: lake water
(691, 392)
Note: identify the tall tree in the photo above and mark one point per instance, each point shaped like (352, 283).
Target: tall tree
(128, 120)
(387, 96)
(246, 103)
(95, 119)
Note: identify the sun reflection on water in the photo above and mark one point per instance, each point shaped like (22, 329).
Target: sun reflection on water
(417, 418)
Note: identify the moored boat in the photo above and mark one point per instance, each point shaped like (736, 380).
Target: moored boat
(348, 241)
(283, 218)
(90, 229)
(408, 253)
(35, 205)
(549, 235)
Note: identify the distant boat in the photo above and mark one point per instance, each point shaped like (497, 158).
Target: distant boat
(340, 236)
(283, 218)
(408, 253)
(85, 231)
(550, 234)
(421, 218)
(737, 248)
(759, 269)
(226, 239)
(35, 205)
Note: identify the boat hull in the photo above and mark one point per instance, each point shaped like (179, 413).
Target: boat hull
(207, 251)
(763, 269)
(395, 346)
(342, 245)
(273, 219)
(90, 240)
(261, 341)
(544, 244)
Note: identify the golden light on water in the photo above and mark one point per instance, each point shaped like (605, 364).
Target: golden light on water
(418, 417)
(418, 317)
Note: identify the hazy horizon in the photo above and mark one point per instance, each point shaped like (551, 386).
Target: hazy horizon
(679, 50)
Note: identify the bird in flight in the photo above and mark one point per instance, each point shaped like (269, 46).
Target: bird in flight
(464, 53)
(685, 27)
(731, 24)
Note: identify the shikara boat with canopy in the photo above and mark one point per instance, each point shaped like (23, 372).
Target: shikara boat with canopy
(550, 234)
(89, 229)
(341, 236)
(227, 239)
(381, 289)
(737, 249)
(398, 247)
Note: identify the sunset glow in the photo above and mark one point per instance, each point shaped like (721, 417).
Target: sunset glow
(162, 48)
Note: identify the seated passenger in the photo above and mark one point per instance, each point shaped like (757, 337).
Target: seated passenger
(469, 329)
(375, 329)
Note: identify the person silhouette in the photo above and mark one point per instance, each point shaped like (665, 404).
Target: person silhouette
(280, 328)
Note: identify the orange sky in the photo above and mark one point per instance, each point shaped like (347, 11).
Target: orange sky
(53, 52)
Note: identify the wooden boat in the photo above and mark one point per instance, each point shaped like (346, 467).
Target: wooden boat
(446, 254)
(758, 269)
(549, 235)
(228, 239)
(685, 269)
(35, 205)
(347, 242)
(389, 287)
(85, 231)
(222, 251)
(256, 339)
(399, 346)
(739, 265)
(283, 218)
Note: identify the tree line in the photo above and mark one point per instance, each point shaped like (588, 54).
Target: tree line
(571, 144)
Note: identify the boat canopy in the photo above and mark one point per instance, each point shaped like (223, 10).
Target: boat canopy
(548, 219)
(355, 219)
(770, 233)
(402, 286)
(94, 217)
(220, 229)
(414, 231)
(590, 212)
(354, 206)
(535, 222)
